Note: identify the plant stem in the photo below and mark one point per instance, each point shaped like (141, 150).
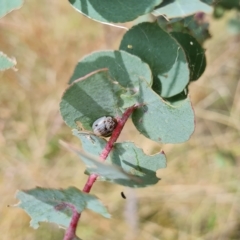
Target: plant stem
(91, 179)
(120, 124)
(70, 232)
(105, 152)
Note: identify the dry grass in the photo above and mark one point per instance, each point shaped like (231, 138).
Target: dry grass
(199, 195)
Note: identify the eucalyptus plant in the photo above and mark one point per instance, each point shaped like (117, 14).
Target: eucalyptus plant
(145, 80)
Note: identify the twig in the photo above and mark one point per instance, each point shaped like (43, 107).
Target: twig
(91, 179)
(105, 152)
(70, 233)
(120, 124)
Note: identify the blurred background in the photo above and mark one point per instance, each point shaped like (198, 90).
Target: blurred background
(198, 196)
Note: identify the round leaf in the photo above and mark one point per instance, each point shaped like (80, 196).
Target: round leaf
(94, 164)
(114, 11)
(134, 161)
(122, 66)
(161, 121)
(163, 54)
(47, 205)
(131, 159)
(90, 98)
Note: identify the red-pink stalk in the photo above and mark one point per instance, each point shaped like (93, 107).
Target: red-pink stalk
(71, 231)
(105, 152)
(91, 179)
(120, 124)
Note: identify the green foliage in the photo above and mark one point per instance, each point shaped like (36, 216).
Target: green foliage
(128, 81)
(7, 6)
(195, 25)
(49, 205)
(164, 55)
(94, 166)
(123, 67)
(133, 160)
(151, 70)
(88, 99)
(181, 8)
(139, 167)
(114, 11)
(194, 52)
(161, 121)
(85, 102)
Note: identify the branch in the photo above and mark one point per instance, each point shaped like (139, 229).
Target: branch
(120, 124)
(105, 152)
(70, 233)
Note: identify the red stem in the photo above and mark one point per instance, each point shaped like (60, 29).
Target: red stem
(91, 179)
(120, 124)
(105, 152)
(71, 231)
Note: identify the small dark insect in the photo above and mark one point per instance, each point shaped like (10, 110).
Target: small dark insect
(123, 195)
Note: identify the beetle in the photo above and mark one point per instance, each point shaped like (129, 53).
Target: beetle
(104, 126)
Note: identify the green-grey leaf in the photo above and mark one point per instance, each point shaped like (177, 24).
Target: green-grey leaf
(89, 99)
(123, 67)
(134, 161)
(128, 157)
(114, 11)
(161, 121)
(94, 166)
(6, 62)
(47, 205)
(194, 52)
(181, 8)
(7, 6)
(163, 54)
(90, 142)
